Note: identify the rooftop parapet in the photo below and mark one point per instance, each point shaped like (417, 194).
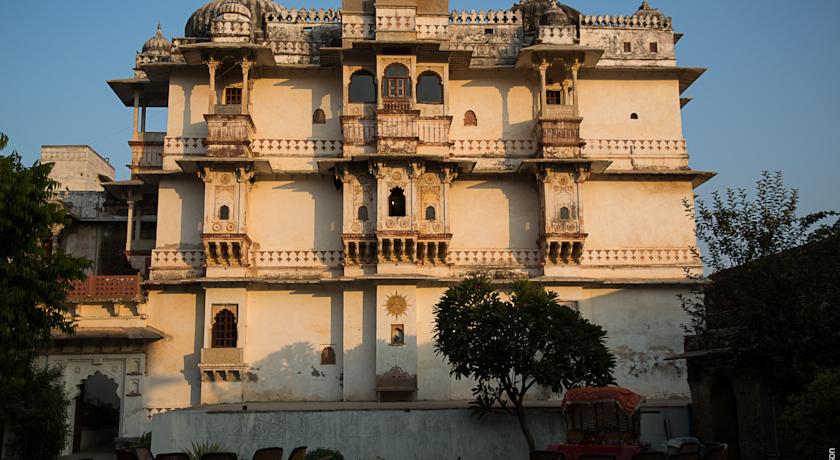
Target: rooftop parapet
(305, 16)
(491, 17)
(635, 21)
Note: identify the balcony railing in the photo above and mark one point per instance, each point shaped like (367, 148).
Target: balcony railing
(397, 125)
(434, 130)
(229, 132)
(558, 111)
(560, 132)
(397, 104)
(358, 131)
(147, 150)
(106, 288)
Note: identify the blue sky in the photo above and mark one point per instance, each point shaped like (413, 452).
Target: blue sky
(769, 101)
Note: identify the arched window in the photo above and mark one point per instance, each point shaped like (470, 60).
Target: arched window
(564, 213)
(429, 88)
(318, 117)
(397, 82)
(396, 203)
(224, 330)
(470, 119)
(224, 212)
(634, 116)
(363, 214)
(430, 213)
(362, 87)
(327, 356)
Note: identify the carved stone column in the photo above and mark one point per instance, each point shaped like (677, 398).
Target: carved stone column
(575, 68)
(543, 97)
(246, 91)
(212, 65)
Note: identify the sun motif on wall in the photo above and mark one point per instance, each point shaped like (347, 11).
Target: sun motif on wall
(396, 305)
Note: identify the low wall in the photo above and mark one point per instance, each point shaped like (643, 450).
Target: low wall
(404, 434)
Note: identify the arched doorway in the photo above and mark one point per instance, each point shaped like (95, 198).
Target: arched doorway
(725, 415)
(96, 420)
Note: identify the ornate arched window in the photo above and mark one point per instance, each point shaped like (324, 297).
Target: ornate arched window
(362, 214)
(430, 213)
(429, 88)
(224, 212)
(327, 356)
(396, 203)
(397, 82)
(470, 118)
(318, 117)
(224, 330)
(362, 87)
(564, 213)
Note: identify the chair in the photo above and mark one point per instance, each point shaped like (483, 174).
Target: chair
(718, 452)
(692, 447)
(650, 456)
(143, 453)
(298, 453)
(269, 453)
(546, 455)
(685, 456)
(173, 456)
(596, 457)
(220, 456)
(126, 454)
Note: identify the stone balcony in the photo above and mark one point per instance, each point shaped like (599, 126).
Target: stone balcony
(227, 249)
(222, 364)
(229, 132)
(106, 288)
(147, 151)
(558, 131)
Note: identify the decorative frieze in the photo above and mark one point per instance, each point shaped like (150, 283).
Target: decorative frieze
(640, 256)
(297, 258)
(635, 21)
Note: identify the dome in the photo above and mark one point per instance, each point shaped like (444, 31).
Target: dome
(646, 10)
(233, 7)
(157, 44)
(555, 16)
(534, 10)
(200, 23)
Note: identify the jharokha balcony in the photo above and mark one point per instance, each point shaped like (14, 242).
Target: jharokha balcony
(229, 132)
(396, 129)
(106, 289)
(147, 151)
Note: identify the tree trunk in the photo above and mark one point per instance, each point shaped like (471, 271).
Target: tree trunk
(523, 423)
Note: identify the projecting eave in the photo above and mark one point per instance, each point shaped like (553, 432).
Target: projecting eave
(686, 75)
(121, 189)
(364, 50)
(142, 334)
(594, 166)
(198, 53)
(533, 55)
(697, 178)
(193, 164)
(152, 93)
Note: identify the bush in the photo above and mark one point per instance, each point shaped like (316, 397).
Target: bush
(198, 449)
(324, 454)
(808, 421)
(39, 422)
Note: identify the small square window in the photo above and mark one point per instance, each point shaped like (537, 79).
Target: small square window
(654, 47)
(554, 97)
(489, 31)
(628, 47)
(233, 96)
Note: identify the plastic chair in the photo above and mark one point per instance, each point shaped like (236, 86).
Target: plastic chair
(298, 453)
(269, 453)
(546, 455)
(220, 456)
(650, 456)
(173, 456)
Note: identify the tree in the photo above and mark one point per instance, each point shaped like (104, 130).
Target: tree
(808, 419)
(509, 346)
(34, 283)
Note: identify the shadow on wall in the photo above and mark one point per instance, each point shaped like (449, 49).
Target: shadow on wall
(523, 217)
(327, 201)
(190, 371)
(324, 95)
(510, 130)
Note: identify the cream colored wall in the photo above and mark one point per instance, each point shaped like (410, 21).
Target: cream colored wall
(180, 212)
(172, 375)
(304, 213)
(636, 214)
(503, 101)
(188, 102)
(494, 213)
(286, 332)
(606, 106)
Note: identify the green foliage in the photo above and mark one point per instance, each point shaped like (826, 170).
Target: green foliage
(809, 421)
(197, 449)
(38, 424)
(324, 454)
(509, 346)
(145, 440)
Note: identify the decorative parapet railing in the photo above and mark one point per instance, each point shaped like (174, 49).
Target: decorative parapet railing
(299, 259)
(177, 259)
(184, 146)
(640, 256)
(432, 27)
(491, 17)
(362, 27)
(634, 146)
(296, 147)
(106, 287)
(305, 16)
(520, 148)
(358, 131)
(434, 130)
(494, 257)
(395, 22)
(147, 150)
(635, 21)
(558, 35)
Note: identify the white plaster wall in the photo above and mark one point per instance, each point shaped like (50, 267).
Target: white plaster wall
(180, 212)
(504, 101)
(606, 105)
(368, 435)
(188, 102)
(359, 361)
(304, 213)
(637, 214)
(494, 213)
(286, 332)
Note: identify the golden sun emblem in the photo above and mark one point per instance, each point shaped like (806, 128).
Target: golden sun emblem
(396, 305)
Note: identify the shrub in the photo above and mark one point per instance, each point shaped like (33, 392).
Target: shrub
(39, 423)
(324, 454)
(807, 420)
(198, 449)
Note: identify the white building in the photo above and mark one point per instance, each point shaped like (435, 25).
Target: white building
(326, 175)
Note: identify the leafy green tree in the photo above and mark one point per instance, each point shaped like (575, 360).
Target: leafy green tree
(809, 421)
(509, 346)
(34, 284)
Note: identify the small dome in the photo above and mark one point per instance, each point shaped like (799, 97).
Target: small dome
(646, 10)
(533, 12)
(201, 22)
(157, 44)
(233, 7)
(555, 16)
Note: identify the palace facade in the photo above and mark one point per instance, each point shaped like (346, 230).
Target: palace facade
(325, 175)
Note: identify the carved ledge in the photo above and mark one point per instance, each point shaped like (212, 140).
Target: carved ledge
(222, 364)
(562, 249)
(227, 249)
(229, 133)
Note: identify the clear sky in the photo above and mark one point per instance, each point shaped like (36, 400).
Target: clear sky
(769, 101)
